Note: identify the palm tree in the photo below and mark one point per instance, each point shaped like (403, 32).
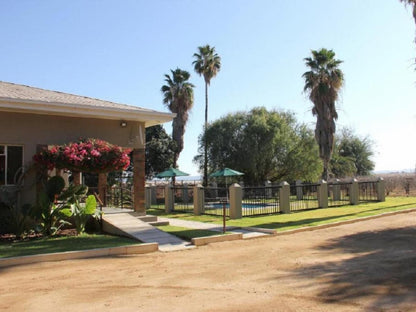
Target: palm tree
(178, 96)
(411, 3)
(207, 63)
(323, 83)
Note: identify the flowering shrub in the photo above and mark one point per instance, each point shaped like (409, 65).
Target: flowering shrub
(87, 155)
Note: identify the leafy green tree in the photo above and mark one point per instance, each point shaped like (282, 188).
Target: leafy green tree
(352, 155)
(264, 145)
(159, 150)
(323, 83)
(207, 63)
(178, 96)
(342, 166)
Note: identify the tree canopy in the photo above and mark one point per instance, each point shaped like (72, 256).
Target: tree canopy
(264, 145)
(178, 96)
(352, 155)
(159, 150)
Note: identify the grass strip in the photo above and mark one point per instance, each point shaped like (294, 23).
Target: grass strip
(299, 219)
(60, 244)
(186, 233)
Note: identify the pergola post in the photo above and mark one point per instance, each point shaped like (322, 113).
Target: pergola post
(76, 175)
(102, 187)
(139, 180)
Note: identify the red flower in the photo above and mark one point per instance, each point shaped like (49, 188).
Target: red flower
(87, 155)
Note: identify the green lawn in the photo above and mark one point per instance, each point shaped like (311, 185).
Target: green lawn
(186, 233)
(60, 244)
(284, 222)
(280, 222)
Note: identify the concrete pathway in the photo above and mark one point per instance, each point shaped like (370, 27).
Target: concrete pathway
(127, 223)
(247, 233)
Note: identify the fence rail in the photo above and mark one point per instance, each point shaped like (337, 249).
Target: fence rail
(183, 198)
(367, 191)
(260, 200)
(215, 198)
(157, 200)
(338, 194)
(116, 196)
(267, 199)
(303, 197)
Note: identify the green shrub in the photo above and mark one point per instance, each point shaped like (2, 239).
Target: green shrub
(52, 207)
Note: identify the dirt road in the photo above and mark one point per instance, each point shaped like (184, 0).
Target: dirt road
(366, 266)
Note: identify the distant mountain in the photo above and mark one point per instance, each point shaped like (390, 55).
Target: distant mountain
(394, 171)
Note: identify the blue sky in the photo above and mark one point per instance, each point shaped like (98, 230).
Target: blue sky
(120, 51)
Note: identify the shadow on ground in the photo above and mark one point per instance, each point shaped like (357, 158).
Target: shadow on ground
(378, 266)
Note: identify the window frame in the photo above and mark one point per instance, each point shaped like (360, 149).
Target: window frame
(6, 162)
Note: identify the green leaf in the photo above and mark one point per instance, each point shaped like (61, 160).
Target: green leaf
(90, 205)
(66, 212)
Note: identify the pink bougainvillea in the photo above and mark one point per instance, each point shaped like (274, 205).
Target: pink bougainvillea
(87, 155)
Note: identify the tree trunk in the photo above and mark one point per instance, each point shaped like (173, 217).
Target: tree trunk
(324, 134)
(205, 183)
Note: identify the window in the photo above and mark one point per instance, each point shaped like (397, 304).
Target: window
(11, 160)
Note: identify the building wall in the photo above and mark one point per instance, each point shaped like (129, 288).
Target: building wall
(30, 130)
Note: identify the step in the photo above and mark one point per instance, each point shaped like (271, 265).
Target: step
(147, 219)
(158, 223)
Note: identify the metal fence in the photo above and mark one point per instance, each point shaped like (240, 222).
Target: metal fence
(260, 200)
(367, 191)
(215, 198)
(267, 199)
(184, 198)
(303, 197)
(339, 194)
(158, 197)
(119, 196)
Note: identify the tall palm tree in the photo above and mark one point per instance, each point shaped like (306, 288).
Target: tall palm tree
(178, 96)
(411, 3)
(323, 83)
(207, 63)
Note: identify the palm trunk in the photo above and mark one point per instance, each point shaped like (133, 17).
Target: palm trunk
(325, 173)
(206, 143)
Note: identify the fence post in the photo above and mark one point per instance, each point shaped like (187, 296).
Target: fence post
(354, 192)
(336, 190)
(268, 192)
(323, 194)
(169, 198)
(214, 186)
(381, 190)
(185, 195)
(199, 200)
(236, 201)
(284, 197)
(148, 197)
(153, 191)
(102, 187)
(299, 190)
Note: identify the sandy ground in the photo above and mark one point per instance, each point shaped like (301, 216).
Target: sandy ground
(366, 266)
